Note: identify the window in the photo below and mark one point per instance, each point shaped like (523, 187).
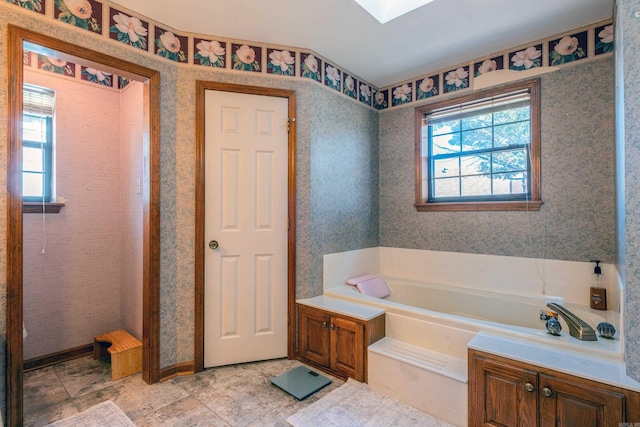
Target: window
(37, 144)
(481, 151)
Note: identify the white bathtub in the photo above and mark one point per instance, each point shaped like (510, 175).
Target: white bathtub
(423, 359)
(475, 310)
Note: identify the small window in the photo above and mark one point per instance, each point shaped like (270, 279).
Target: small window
(481, 151)
(37, 144)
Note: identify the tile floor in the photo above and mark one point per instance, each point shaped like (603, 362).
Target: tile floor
(237, 395)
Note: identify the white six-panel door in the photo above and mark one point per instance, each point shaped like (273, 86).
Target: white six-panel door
(246, 158)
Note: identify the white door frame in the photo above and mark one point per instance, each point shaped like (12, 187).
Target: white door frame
(201, 87)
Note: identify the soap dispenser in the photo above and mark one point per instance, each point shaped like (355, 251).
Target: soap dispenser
(598, 294)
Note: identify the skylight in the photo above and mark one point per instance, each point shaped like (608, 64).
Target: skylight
(386, 10)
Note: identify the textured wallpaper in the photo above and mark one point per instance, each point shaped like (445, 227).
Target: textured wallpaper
(628, 148)
(576, 221)
(344, 179)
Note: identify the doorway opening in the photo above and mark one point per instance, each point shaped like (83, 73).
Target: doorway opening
(19, 41)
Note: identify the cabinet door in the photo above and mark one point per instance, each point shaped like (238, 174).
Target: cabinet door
(314, 335)
(578, 403)
(347, 344)
(501, 394)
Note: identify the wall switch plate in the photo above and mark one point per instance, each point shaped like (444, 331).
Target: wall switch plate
(138, 186)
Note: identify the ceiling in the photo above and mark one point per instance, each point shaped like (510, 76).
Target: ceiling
(437, 35)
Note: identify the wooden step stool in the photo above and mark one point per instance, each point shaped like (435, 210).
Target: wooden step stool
(125, 351)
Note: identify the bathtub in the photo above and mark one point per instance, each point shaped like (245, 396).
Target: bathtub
(441, 303)
(422, 361)
(476, 310)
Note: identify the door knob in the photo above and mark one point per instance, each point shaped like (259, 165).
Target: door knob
(213, 244)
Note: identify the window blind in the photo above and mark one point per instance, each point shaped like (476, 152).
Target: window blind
(484, 106)
(37, 100)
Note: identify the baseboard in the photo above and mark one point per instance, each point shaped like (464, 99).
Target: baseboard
(54, 358)
(177, 370)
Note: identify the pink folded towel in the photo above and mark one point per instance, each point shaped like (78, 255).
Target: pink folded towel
(375, 287)
(355, 280)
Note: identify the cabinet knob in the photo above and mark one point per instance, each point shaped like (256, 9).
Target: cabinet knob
(332, 326)
(324, 324)
(547, 392)
(529, 387)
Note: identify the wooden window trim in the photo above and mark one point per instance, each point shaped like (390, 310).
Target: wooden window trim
(532, 204)
(36, 207)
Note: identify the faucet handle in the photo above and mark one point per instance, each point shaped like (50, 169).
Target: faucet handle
(606, 330)
(553, 326)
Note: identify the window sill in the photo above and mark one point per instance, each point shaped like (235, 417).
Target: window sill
(480, 206)
(36, 207)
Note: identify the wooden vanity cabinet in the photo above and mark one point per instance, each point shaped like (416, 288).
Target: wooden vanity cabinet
(504, 392)
(337, 343)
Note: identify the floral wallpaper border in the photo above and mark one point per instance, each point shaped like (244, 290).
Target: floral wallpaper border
(35, 5)
(580, 44)
(128, 27)
(74, 71)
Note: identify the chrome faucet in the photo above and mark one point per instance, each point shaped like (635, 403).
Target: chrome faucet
(578, 328)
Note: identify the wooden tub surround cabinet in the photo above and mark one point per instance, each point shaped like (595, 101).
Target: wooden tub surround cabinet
(125, 351)
(334, 339)
(506, 392)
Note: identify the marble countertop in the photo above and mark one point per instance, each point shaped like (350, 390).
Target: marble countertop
(340, 306)
(607, 371)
